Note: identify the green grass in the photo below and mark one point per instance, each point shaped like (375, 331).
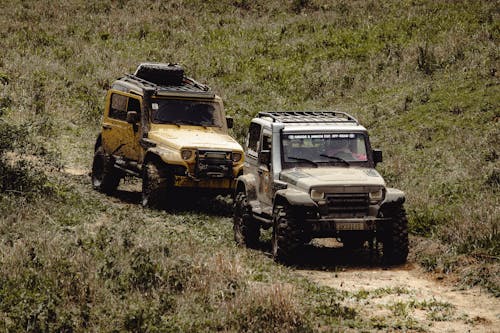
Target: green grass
(422, 76)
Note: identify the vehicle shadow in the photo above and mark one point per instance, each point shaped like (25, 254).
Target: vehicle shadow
(331, 257)
(181, 202)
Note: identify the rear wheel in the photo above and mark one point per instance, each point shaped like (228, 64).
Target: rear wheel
(394, 234)
(105, 177)
(288, 236)
(246, 229)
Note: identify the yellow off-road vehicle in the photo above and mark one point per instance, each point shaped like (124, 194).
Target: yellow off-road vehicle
(311, 175)
(168, 129)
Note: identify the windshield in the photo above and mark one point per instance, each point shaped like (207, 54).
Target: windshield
(185, 112)
(309, 149)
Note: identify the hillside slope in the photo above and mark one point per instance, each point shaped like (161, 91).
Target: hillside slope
(421, 75)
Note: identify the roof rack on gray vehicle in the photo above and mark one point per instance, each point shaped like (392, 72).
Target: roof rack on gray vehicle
(309, 116)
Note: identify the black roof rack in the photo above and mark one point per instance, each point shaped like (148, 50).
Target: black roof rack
(188, 85)
(309, 116)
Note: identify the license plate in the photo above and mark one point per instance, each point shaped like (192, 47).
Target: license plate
(350, 226)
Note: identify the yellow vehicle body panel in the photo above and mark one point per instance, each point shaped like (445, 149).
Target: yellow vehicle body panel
(118, 136)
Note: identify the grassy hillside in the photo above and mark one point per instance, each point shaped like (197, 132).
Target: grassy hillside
(421, 75)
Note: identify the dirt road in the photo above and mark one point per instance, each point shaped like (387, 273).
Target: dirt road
(425, 302)
(428, 302)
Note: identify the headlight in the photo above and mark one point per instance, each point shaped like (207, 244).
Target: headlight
(377, 196)
(236, 157)
(317, 195)
(186, 154)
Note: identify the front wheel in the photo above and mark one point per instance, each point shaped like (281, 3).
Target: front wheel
(154, 185)
(288, 236)
(246, 229)
(394, 234)
(105, 177)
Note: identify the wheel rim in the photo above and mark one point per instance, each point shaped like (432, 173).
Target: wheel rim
(145, 188)
(238, 221)
(274, 243)
(274, 238)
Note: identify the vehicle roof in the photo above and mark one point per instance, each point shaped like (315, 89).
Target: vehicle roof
(189, 87)
(337, 127)
(310, 121)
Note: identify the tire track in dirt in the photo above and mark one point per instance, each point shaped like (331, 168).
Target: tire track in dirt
(435, 305)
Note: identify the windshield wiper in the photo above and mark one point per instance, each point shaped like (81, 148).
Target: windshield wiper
(335, 158)
(303, 160)
(187, 122)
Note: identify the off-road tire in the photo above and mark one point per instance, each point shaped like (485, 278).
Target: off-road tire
(105, 177)
(154, 185)
(394, 236)
(288, 235)
(246, 229)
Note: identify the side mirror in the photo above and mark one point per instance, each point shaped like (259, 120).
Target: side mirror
(265, 157)
(132, 117)
(377, 156)
(229, 122)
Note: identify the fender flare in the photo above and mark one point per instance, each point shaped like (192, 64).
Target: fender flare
(164, 154)
(152, 155)
(393, 197)
(247, 183)
(293, 198)
(98, 142)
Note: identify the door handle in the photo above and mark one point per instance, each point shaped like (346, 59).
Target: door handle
(106, 126)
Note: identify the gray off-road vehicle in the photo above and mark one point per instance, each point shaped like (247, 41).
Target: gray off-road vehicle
(169, 130)
(311, 175)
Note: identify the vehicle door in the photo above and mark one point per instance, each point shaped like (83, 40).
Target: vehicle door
(264, 170)
(252, 149)
(121, 138)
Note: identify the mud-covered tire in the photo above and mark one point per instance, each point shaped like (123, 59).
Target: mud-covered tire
(288, 235)
(394, 236)
(246, 229)
(105, 177)
(154, 185)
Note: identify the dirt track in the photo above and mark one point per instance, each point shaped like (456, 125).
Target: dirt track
(432, 302)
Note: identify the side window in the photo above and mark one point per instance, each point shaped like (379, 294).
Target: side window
(266, 142)
(118, 107)
(253, 139)
(134, 105)
(265, 151)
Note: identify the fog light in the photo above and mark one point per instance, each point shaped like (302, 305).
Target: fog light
(186, 154)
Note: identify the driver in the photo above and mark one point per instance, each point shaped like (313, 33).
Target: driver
(340, 148)
(345, 149)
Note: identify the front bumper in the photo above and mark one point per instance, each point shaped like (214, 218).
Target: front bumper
(223, 184)
(331, 226)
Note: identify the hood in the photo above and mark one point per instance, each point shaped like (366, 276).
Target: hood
(195, 137)
(307, 178)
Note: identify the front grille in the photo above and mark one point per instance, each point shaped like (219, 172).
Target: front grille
(348, 204)
(214, 164)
